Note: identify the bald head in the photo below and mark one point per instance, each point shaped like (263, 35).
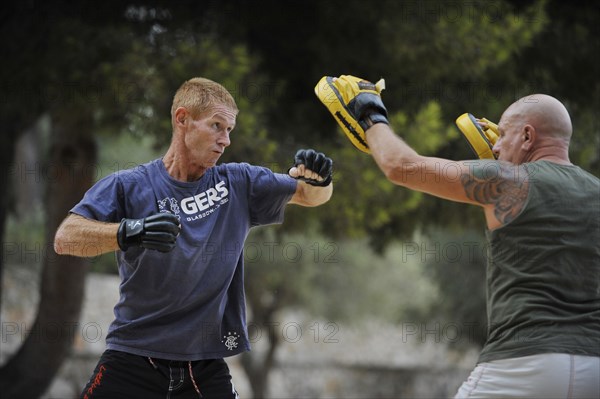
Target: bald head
(548, 115)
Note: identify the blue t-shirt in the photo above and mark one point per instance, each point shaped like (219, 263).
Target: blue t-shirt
(187, 304)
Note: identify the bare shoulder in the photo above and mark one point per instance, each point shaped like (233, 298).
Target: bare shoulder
(500, 185)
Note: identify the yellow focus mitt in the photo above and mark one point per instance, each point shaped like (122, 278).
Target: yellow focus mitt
(355, 104)
(480, 139)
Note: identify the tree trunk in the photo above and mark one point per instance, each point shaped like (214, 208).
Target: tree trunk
(257, 369)
(6, 157)
(31, 370)
(9, 139)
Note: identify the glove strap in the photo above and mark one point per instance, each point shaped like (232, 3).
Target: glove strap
(372, 119)
(130, 231)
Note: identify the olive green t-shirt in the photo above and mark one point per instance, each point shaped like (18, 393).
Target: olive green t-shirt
(543, 272)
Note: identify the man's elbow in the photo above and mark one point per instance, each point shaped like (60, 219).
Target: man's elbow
(63, 238)
(399, 173)
(61, 242)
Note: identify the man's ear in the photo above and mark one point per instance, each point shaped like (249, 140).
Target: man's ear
(529, 135)
(181, 115)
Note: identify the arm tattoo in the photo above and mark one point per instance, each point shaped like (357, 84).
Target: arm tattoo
(506, 188)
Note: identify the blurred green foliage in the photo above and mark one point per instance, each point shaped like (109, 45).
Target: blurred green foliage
(342, 280)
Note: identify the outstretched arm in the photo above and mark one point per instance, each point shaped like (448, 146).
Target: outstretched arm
(499, 187)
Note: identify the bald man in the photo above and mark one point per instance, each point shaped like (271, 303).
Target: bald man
(543, 230)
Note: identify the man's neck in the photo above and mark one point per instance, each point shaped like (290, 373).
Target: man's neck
(179, 167)
(553, 150)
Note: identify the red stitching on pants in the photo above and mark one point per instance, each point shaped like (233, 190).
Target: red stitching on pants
(96, 383)
(194, 381)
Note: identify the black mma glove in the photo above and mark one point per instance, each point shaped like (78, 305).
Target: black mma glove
(316, 162)
(157, 232)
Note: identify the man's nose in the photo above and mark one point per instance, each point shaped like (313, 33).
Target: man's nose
(224, 140)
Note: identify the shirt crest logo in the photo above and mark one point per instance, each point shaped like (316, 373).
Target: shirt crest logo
(230, 340)
(169, 205)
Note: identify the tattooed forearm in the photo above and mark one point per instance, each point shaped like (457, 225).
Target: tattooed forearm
(506, 191)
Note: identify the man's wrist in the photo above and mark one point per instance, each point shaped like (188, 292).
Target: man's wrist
(372, 119)
(376, 118)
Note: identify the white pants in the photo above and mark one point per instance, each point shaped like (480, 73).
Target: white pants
(552, 375)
